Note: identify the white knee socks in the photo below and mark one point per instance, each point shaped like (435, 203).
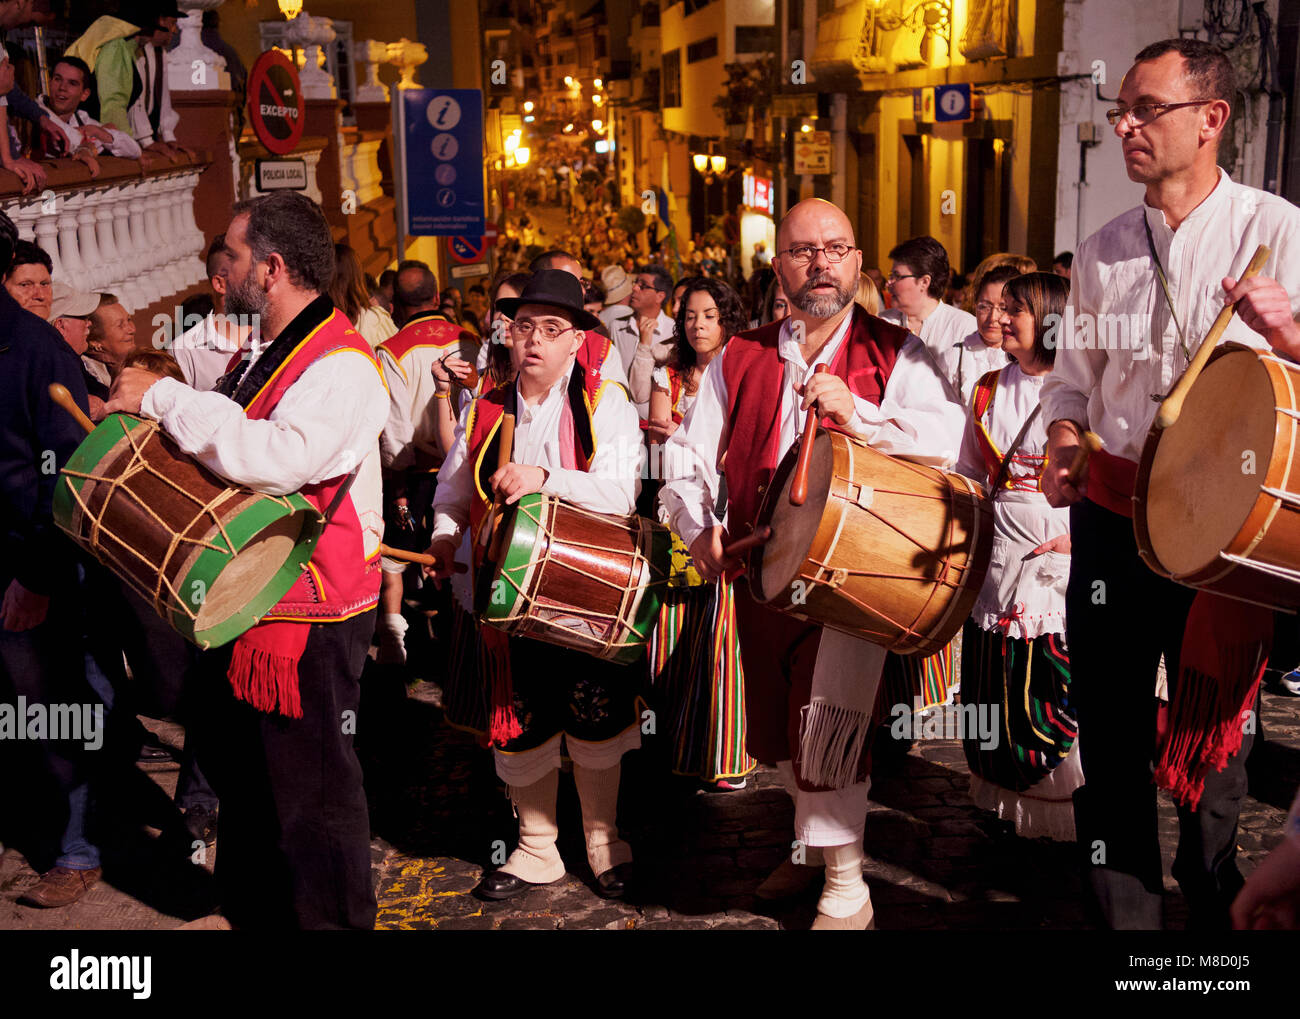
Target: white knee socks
(598, 794)
(536, 860)
(845, 892)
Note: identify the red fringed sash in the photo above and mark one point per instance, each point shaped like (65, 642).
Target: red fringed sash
(1225, 649)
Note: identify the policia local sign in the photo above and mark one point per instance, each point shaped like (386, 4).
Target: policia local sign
(275, 105)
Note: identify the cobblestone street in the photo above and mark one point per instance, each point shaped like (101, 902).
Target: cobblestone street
(934, 860)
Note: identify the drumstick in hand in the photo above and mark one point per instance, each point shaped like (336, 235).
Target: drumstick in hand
(60, 395)
(799, 486)
(1089, 444)
(505, 449)
(742, 545)
(419, 557)
(1173, 405)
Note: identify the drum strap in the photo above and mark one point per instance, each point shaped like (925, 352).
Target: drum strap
(1005, 467)
(1164, 286)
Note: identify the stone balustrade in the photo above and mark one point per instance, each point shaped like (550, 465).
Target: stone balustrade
(130, 231)
(359, 164)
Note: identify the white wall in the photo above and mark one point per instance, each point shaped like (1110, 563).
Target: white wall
(1113, 31)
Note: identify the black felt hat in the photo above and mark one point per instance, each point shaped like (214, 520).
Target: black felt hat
(556, 288)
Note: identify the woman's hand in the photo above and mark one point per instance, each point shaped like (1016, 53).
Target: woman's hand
(1061, 543)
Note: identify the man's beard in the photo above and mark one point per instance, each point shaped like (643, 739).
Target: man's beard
(245, 298)
(822, 305)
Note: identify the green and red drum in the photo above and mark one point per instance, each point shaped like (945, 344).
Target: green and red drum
(212, 558)
(582, 580)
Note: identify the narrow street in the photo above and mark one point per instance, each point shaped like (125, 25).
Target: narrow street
(933, 859)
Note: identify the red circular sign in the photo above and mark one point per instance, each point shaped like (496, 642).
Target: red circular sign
(275, 106)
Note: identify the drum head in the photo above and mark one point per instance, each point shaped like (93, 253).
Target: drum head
(794, 527)
(252, 569)
(1209, 465)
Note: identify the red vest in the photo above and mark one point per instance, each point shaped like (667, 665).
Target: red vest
(481, 448)
(426, 332)
(339, 581)
(755, 380)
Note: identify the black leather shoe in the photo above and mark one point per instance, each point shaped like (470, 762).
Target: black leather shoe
(614, 882)
(499, 885)
(202, 824)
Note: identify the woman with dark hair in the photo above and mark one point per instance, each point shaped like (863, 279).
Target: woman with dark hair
(776, 305)
(1015, 664)
(351, 295)
(694, 652)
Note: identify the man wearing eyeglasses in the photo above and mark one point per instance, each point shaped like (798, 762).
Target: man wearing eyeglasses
(807, 690)
(576, 437)
(1170, 262)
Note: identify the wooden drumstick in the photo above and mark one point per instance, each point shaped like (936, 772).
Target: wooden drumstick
(419, 557)
(1173, 404)
(742, 545)
(60, 395)
(799, 486)
(505, 448)
(1089, 443)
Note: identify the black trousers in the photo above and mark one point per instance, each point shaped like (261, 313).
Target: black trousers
(1120, 617)
(294, 848)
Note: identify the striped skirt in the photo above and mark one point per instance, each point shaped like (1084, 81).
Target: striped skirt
(694, 661)
(919, 683)
(1028, 770)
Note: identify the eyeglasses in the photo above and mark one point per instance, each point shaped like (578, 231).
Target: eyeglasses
(984, 308)
(1143, 113)
(802, 254)
(894, 277)
(549, 331)
(638, 285)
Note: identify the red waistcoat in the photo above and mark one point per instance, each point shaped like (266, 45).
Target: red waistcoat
(339, 581)
(755, 380)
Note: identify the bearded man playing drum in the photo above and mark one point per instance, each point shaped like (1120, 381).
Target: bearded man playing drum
(298, 413)
(577, 438)
(1165, 267)
(808, 689)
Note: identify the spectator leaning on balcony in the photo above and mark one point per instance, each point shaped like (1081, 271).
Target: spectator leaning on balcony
(85, 137)
(128, 59)
(16, 14)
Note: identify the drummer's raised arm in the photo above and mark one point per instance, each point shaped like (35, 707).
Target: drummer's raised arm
(322, 428)
(688, 464)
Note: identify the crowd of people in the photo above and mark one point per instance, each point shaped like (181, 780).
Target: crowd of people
(594, 383)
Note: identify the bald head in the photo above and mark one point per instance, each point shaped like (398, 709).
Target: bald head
(809, 216)
(416, 289)
(561, 260)
(819, 287)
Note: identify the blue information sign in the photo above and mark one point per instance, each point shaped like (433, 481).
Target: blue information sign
(952, 102)
(442, 161)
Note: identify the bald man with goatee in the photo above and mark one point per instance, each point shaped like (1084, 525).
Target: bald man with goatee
(808, 690)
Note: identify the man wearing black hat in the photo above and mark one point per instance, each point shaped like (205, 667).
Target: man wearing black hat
(578, 439)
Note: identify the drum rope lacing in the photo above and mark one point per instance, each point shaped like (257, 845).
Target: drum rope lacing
(834, 577)
(621, 620)
(138, 465)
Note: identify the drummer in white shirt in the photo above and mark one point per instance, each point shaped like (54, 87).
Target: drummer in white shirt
(917, 283)
(577, 438)
(795, 670)
(1199, 227)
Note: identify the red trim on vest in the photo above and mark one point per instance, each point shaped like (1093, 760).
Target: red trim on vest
(755, 377)
(339, 582)
(428, 332)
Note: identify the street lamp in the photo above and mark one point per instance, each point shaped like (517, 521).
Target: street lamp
(597, 125)
(597, 99)
(599, 83)
(718, 164)
(701, 162)
(568, 81)
(528, 106)
(290, 9)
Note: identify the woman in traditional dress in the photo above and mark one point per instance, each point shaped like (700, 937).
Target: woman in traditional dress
(694, 653)
(1015, 666)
